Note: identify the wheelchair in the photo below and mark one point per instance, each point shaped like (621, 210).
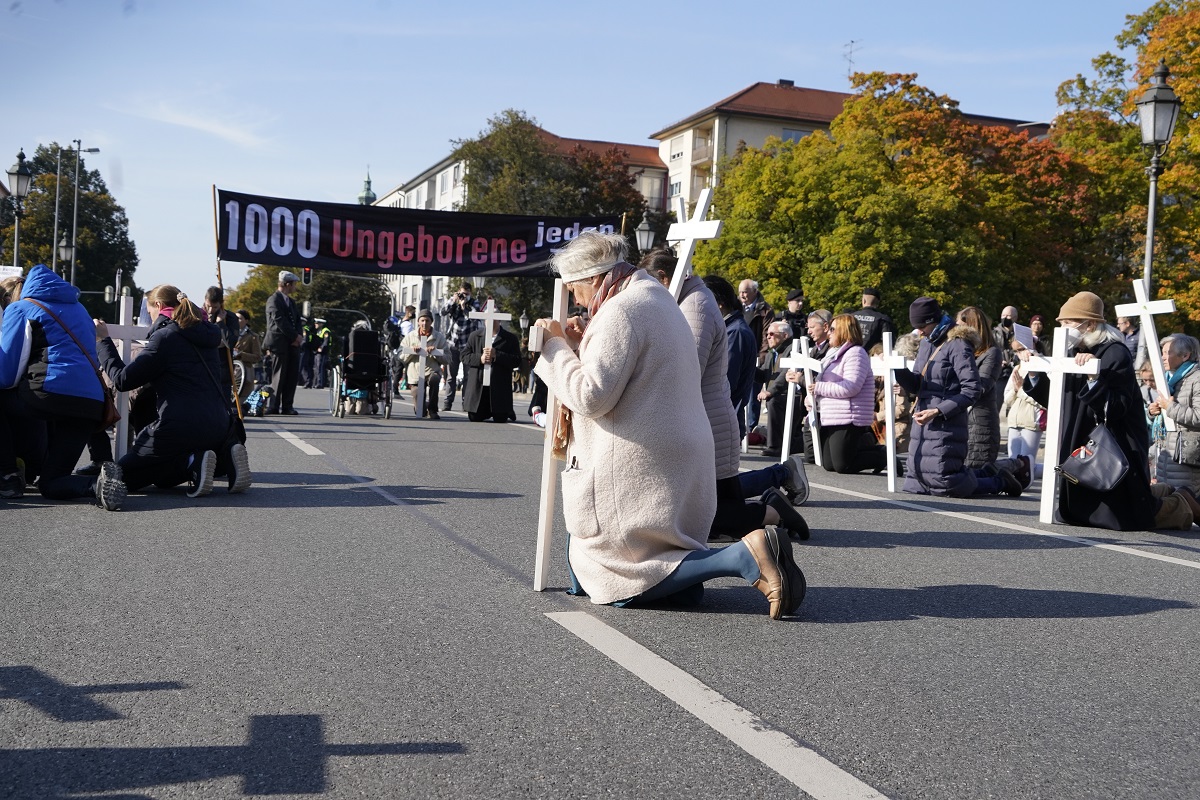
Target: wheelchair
(361, 372)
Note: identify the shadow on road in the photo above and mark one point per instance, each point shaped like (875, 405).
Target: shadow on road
(842, 604)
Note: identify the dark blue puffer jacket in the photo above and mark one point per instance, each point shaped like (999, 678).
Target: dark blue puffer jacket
(40, 358)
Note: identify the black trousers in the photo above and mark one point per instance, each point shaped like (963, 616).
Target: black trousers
(285, 372)
(735, 517)
(847, 449)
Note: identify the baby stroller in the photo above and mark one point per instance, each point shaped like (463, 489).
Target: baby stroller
(361, 374)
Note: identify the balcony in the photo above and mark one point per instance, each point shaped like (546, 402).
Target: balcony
(702, 151)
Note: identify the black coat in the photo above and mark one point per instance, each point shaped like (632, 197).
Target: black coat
(944, 376)
(283, 323)
(1114, 397)
(507, 358)
(193, 411)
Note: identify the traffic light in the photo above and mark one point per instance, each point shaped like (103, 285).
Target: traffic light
(306, 275)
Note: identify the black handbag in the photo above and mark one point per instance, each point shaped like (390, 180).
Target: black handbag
(1187, 448)
(1099, 464)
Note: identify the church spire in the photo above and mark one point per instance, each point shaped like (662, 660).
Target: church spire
(366, 197)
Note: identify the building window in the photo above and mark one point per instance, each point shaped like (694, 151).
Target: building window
(443, 182)
(676, 188)
(794, 134)
(676, 148)
(438, 288)
(457, 174)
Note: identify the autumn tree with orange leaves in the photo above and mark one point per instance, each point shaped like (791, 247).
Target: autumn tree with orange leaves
(907, 195)
(1098, 128)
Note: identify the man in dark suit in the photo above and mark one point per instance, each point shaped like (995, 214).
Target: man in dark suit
(283, 342)
(503, 352)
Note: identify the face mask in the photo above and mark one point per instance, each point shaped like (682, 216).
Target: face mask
(1006, 322)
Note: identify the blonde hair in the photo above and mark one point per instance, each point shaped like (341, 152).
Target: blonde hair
(10, 289)
(185, 313)
(847, 329)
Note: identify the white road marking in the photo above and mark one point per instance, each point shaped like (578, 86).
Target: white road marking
(1129, 551)
(801, 765)
(304, 446)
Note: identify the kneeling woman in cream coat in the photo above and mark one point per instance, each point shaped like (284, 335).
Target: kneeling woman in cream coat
(637, 491)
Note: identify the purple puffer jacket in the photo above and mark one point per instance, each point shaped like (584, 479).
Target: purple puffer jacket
(846, 388)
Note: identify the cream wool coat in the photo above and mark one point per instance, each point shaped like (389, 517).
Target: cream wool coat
(638, 488)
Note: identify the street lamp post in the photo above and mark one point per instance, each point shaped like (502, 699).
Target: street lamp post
(645, 234)
(1158, 110)
(19, 179)
(79, 151)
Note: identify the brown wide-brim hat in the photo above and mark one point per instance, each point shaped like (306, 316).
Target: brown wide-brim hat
(1084, 305)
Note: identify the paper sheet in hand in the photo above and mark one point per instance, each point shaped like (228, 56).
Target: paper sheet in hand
(1023, 334)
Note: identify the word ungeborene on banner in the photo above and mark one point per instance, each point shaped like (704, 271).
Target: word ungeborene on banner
(377, 239)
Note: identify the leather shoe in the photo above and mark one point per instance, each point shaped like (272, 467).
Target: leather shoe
(789, 517)
(797, 586)
(765, 547)
(291, 412)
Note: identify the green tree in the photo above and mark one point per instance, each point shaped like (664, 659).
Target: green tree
(340, 298)
(906, 195)
(102, 240)
(1098, 127)
(514, 167)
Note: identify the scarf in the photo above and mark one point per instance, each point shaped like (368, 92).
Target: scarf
(1158, 428)
(616, 280)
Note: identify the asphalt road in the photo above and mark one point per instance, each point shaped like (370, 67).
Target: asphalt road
(361, 623)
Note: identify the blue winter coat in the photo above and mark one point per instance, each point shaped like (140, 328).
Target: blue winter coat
(53, 374)
(743, 355)
(950, 384)
(193, 410)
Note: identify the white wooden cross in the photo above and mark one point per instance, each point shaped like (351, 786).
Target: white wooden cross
(1056, 367)
(811, 367)
(545, 535)
(885, 366)
(123, 336)
(489, 315)
(1145, 309)
(688, 233)
(423, 354)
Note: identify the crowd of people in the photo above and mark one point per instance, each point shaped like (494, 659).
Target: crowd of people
(58, 368)
(615, 366)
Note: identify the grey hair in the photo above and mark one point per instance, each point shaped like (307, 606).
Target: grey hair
(1183, 345)
(1097, 334)
(753, 284)
(589, 249)
(823, 315)
(781, 326)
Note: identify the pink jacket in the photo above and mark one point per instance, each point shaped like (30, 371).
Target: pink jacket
(846, 388)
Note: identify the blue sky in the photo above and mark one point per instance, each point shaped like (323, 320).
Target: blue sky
(296, 99)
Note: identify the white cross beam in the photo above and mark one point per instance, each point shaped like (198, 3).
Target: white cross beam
(885, 366)
(1145, 309)
(688, 233)
(545, 535)
(123, 336)
(811, 367)
(1056, 367)
(489, 315)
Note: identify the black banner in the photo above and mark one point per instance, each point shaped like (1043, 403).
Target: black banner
(381, 240)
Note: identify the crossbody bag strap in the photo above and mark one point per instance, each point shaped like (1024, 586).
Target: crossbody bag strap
(227, 399)
(79, 344)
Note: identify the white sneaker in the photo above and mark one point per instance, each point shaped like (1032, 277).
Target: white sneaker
(240, 476)
(201, 482)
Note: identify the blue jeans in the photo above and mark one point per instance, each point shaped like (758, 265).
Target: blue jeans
(757, 481)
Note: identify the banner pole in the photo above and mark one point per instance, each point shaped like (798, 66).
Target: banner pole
(217, 237)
